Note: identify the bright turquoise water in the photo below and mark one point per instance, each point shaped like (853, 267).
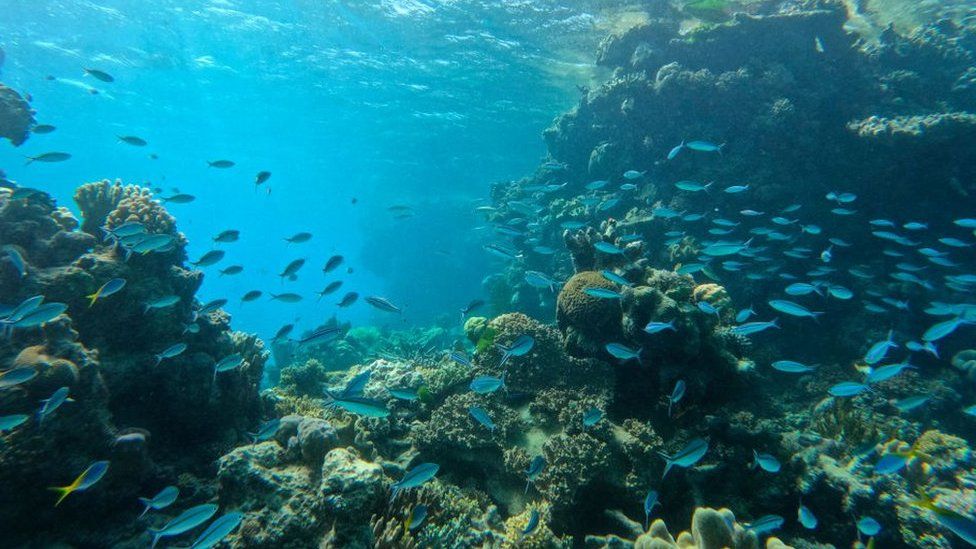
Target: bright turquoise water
(407, 102)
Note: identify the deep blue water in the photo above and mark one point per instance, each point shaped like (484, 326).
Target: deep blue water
(422, 104)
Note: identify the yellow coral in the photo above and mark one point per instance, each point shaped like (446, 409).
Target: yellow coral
(713, 294)
(710, 529)
(96, 200)
(52, 372)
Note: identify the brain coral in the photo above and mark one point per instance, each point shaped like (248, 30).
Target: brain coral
(546, 365)
(587, 320)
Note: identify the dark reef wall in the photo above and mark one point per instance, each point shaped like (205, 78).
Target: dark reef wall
(157, 424)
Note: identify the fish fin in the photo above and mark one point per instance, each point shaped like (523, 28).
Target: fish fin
(148, 503)
(63, 491)
(924, 501)
(667, 468)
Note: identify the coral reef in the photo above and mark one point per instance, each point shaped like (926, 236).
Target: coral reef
(16, 116)
(123, 407)
(710, 528)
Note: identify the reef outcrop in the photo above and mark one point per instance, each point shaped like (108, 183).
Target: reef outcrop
(130, 402)
(16, 116)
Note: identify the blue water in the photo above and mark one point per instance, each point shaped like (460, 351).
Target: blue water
(423, 104)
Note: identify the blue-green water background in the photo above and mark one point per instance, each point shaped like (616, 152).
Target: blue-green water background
(387, 103)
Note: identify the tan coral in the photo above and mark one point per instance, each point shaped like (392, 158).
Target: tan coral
(96, 200)
(138, 205)
(52, 372)
(965, 362)
(710, 529)
(593, 316)
(713, 294)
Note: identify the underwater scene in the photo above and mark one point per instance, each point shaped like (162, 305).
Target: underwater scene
(651, 274)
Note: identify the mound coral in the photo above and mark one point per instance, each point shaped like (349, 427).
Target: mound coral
(587, 320)
(16, 116)
(710, 529)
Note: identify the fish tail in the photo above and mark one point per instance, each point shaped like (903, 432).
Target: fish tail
(63, 491)
(29, 160)
(93, 298)
(924, 501)
(667, 468)
(148, 503)
(639, 351)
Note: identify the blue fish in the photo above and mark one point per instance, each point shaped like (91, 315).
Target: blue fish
(884, 373)
(602, 293)
(766, 462)
(942, 329)
(487, 384)
(608, 248)
(650, 501)
(719, 249)
(792, 309)
(163, 499)
(614, 277)
(17, 376)
(186, 521)
(961, 525)
(656, 327)
(218, 530)
(675, 150)
(52, 403)
(460, 358)
(266, 430)
(519, 347)
(482, 417)
(744, 315)
(677, 393)
(908, 404)
(765, 524)
(868, 526)
(750, 328)
(704, 146)
(592, 416)
(707, 308)
(806, 517)
(11, 422)
(417, 516)
(532, 524)
(403, 393)
(879, 350)
(535, 468)
(792, 367)
(91, 475)
(847, 389)
(111, 287)
(687, 456)
(622, 352)
(414, 478)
